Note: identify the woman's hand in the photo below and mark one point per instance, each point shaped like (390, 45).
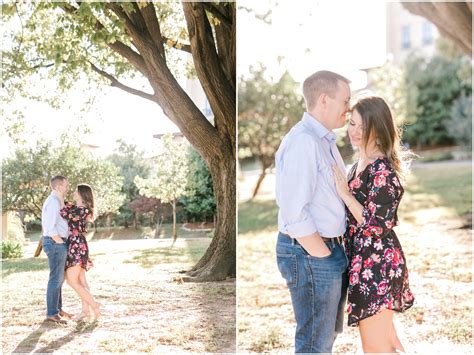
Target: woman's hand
(342, 187)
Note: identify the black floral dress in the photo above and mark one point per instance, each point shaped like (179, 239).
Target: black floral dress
(78, 250)
(378, 274)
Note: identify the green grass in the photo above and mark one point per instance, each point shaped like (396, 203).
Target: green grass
(257, 216)
(439, 185)
(122, 233)
(23, 265)
(189, 254)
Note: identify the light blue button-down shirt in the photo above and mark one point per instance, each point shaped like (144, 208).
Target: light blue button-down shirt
(51, 221)
(305, 189)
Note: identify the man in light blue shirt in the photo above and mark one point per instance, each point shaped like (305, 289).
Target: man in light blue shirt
(311, 217)
(55, 233)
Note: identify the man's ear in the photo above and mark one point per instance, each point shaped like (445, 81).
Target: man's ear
(322, 100)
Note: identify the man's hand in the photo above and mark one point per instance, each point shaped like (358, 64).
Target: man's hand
(314, 245)
(58, 239)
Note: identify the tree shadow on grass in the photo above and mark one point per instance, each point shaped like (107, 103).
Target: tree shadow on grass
(29, 344)
(191, 253)
(23, 265)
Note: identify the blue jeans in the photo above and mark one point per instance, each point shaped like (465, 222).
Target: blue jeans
(318, 288)
(57, 261)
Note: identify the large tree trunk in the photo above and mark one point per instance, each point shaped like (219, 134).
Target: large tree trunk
(219, 262)
(213, 52)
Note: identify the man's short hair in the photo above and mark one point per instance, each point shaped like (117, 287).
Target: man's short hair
(323, 81)
(55, 180)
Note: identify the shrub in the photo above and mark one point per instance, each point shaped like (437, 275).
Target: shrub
(11, 249)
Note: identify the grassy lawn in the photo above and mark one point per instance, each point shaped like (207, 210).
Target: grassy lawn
(146, 306)
(435, 232)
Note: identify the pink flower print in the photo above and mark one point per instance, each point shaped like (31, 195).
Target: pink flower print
(376, 230)
(382, 287)
(368, 263)
(388, 255)
(388, 224)
(378, 245)
(355, 184)
(354, 278)
(379, 180)
(367, 274)
(372, 206)
(375, 257)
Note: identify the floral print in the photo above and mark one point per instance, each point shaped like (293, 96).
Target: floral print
(378, 275)
(78, 250)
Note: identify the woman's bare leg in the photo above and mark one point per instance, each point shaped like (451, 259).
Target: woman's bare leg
(72, 276)
(377, 333)
(83, 282)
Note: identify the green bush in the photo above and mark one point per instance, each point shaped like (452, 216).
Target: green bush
(11, 249)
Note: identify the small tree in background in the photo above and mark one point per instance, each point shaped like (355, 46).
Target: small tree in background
(199, 202)
(130, 162)
(460, 124)
(26, 175)
(170, 178)
(266, 113)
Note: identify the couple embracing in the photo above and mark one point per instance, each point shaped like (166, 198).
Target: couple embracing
(64, 242)
(335, 233)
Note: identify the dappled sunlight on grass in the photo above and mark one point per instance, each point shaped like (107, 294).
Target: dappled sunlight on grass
(144, 310)
(183, 252)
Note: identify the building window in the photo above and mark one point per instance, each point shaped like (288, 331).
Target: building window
(427, 33)
(406, 37)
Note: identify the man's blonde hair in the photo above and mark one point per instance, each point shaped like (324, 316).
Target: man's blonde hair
(56, 180)
(323, 81)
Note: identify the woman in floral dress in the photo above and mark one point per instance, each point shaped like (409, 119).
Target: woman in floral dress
(77, 261)
(378, 274)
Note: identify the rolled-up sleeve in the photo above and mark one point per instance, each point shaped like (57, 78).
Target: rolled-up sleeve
(296, 182)
(49, 218)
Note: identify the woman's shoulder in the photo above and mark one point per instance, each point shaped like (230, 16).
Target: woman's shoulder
(383, 173)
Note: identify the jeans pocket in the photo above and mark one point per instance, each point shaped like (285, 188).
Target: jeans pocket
(288, 269)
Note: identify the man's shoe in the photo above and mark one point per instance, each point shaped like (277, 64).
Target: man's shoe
(56, 319)
(65, 314)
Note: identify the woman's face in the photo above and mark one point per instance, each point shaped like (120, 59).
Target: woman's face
(76, 196)
(355, 129)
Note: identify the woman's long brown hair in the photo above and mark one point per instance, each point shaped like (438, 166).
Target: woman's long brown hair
(88, 198)
(377, 122)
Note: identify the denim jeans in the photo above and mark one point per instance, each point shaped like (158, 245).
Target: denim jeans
(57, 261)
(318, 288)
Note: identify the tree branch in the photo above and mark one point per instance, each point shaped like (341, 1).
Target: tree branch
(153, 25)
(216, 11)
(118, 84)
(119, 47)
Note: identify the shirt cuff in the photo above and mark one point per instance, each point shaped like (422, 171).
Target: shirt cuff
(301, 229)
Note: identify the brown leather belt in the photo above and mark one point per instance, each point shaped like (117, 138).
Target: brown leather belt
(337, 240)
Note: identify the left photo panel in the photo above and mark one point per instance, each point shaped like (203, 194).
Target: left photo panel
(118, 177)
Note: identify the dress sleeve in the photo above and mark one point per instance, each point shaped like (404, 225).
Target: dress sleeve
(380, 209)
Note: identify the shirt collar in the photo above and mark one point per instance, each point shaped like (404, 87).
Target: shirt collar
(314, 125)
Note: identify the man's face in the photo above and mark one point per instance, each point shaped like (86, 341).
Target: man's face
(63, 187)
(338, 105)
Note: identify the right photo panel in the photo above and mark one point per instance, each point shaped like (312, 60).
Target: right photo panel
(354, 177)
